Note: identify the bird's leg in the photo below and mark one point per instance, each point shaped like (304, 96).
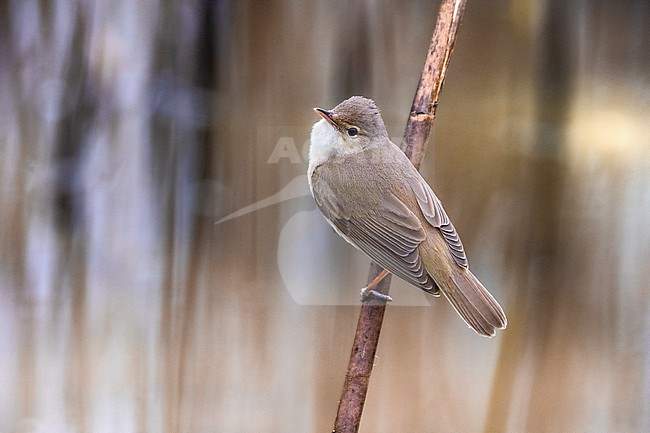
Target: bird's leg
(368, 292)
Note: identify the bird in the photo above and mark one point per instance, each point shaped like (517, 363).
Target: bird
(374, 198)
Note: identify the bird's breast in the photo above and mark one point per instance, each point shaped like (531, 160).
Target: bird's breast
(352, 181)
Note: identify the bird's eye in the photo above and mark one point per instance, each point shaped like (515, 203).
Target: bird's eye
(353, 131)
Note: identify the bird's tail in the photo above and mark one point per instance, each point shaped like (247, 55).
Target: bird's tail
(474, 303)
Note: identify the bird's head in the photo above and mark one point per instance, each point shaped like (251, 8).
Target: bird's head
(351, 126)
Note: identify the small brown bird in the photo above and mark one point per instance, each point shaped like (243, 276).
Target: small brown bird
(371, 194)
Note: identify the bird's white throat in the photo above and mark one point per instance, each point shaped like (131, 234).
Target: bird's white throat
(324, 142)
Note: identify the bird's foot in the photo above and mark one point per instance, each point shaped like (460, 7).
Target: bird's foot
(368, 295)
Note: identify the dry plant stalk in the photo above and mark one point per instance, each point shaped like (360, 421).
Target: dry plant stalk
(416, 136)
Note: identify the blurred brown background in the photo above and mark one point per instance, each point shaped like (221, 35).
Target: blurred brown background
(163, 268)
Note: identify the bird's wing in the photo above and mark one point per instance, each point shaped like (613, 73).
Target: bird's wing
(436, 216)
(389, 234)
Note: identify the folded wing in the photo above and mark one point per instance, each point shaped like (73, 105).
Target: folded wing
(389, 235)
(436, 216)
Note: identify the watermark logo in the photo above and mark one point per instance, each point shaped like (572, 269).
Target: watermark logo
(316, 266)
(286, 150)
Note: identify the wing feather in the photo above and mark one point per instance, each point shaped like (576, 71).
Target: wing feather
(435, 215)
(390, 235)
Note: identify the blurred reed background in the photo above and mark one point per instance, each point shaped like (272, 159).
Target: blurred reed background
(164, 269)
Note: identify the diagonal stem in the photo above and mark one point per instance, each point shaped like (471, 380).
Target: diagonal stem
(414, 145)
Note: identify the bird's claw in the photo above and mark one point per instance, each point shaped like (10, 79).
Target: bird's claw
(373, 294)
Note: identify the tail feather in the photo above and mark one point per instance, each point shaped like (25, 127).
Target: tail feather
(474, 303)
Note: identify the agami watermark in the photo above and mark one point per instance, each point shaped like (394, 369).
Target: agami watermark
(315, 264)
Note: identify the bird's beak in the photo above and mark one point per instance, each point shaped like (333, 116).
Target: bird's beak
(327, 115)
